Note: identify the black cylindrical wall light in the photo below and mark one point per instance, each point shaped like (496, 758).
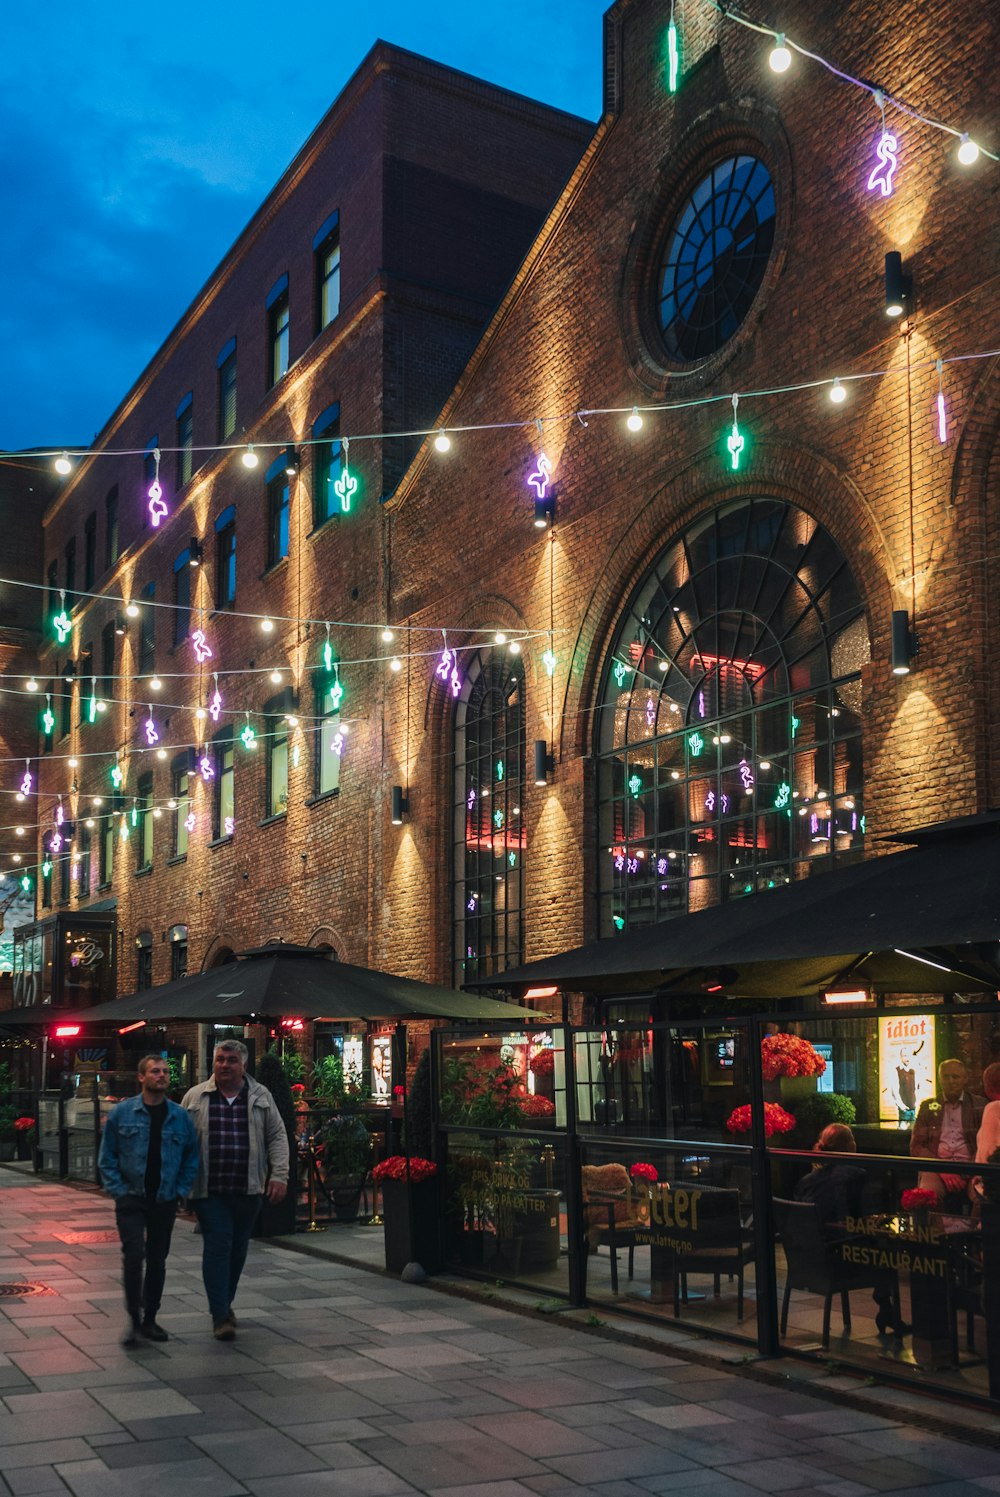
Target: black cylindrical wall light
(898, 287)
(902, 642)
(544, 763)
(400, 805)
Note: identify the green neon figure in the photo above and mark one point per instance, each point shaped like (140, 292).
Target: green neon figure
(328, 656)
(499, 770)
(673, 57)
(117, 776)
(498, 818)
(621, 670)
(345, 488)
(783, 799)
(248, 737)
(635, 785)
(619, 922)
(695, 743)
(63, 626)
(48, 721)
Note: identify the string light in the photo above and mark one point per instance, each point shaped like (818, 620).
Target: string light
(634, 422)
(132, 610)
(942, 416)
(31, 684)
(735, 442)
(780, 59)
(155, 684)
(838, 393)
(157, 504)
(387, 636)
(395, 665)
(276, 677)
(63, 466)
(968, 151)
(346, 486)
(442, 442)
(250, 458)
(267, 626)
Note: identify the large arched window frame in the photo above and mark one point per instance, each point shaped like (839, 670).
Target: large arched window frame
(728, 731)
(488, 843)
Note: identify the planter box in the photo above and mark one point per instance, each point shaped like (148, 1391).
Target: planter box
(412, 1224)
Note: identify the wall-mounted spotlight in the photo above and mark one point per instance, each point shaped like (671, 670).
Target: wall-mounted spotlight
(292, 462)
(904, 644)
(544, 762)
(196, 552)
(121, 624)
(898, 287)
(545, 511)
(400, 805)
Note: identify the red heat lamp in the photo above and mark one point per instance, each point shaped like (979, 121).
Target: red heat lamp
(67, 1031)
(717, 979)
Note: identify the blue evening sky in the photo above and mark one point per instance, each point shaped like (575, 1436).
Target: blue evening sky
(136, 142)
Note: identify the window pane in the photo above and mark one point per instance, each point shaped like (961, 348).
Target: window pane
(329, 283)
(329, 744)
(277, 767)
(277, 519)
(227, 398)
(226, 567)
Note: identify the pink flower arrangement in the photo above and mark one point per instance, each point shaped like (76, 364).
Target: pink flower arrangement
(543, 1064)
(298, 1088)
(647, 1172)
(395, 1168)
(915, 1200)
(399, 1093)
(776, 1119)
(788, 1055)
(24, 1125)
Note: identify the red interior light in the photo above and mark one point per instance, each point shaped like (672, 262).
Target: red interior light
(67, 1031)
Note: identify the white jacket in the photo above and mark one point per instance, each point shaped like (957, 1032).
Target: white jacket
(268, 1139)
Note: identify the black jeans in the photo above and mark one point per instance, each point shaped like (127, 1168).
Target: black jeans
(145, 1228)
(226, 1225)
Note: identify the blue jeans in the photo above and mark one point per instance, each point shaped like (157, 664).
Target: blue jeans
(226, 1225)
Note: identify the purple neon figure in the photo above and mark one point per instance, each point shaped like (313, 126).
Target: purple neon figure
(881, 173)
(542, 476)
(201, 648)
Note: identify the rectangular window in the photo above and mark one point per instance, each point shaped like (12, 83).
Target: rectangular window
(182, 596)
(277, 331)
(277, 765)
(277, 514)
(143, 961)
(107, 848)
(178, 952)
(327, 465)
(89, 550)
(226, 365)
(147, 631)
(65, 871)
(111, 527)
(66, 705)
(70, 572)
(53, 589)
(185, 440)
(108, 662)
(225, 559)
(223, 801)
(326, 248)
(83, 861)
(329, 741)
(181, 794)
(144, 839)
(86, 682)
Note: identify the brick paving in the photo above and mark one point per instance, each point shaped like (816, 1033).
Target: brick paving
(345, 1382)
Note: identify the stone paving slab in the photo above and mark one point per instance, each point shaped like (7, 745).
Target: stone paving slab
(343, 1383)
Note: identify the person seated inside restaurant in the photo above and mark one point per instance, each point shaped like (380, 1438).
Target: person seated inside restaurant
(988, 1137)
(946, 1128)
(843, 1193)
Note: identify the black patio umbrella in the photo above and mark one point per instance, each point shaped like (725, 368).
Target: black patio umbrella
(281, 981)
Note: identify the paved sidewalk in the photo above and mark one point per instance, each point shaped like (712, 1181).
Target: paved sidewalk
(344, 1382)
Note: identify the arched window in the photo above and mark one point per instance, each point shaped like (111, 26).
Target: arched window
(489, 835)
(728, 731)
(178, 937)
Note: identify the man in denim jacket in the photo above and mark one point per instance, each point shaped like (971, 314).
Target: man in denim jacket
(149, 1158)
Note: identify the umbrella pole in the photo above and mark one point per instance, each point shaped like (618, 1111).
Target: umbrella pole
(314, 1225)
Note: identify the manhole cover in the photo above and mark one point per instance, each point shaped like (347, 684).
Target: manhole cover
(79, 1237)
(9, 1291)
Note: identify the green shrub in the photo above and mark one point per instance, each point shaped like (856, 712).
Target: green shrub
(271, 1073)
(346, 1146)
(816, 1112)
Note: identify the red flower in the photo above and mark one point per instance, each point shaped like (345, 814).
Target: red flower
(543, 1064)
(640, 1171)
(398, 1091)
(789, 1055)
(537, 1107)
(298, 1087)
(24, 1125)
(398, 1167)
(913, 1200)
(776, 1119)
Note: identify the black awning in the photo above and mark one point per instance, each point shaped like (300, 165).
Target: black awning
(926, 919)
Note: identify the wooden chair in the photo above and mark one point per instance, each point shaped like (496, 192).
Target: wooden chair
(813, 1264)
(719, 1243)
(607, 1213)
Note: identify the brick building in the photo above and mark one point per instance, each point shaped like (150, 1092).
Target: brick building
(350, 303)
(704, 634)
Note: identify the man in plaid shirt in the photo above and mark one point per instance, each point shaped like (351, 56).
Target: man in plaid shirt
(244, 1156)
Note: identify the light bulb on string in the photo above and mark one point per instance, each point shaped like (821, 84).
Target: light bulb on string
(514, 647)
(442, 442)
(395, 665)
(250, 458)
(387, 636)
(780, 58)
(157, 504)
(885, 153)
(838, 393)
(968, 151)
(267, 626)
(735, 442)
(31, 684)
(276, 677)
(634, 422)
(63, 466)
(73, 762)
(942, 414)
(132, 610)
(155, 684)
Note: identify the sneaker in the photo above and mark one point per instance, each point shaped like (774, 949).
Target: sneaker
(130, 1338)
(224, 1330)
(153, 1332)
